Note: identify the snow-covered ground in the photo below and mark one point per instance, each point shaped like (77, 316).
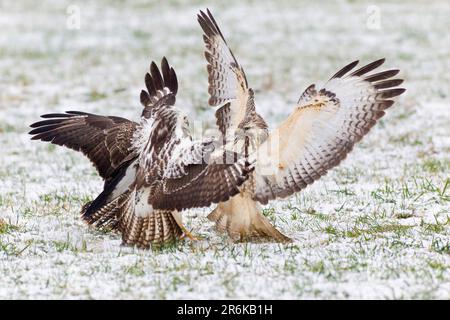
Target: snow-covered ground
(378, 226)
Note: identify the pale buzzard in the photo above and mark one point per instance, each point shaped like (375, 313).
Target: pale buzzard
(317, 136)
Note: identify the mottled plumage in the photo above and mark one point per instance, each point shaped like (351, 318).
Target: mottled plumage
(317, 136)
(152, 169)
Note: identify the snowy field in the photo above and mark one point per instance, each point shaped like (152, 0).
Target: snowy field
(378, 226)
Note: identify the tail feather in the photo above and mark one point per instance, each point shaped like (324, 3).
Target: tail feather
(158, 227)
(104, 218)
(91, 209)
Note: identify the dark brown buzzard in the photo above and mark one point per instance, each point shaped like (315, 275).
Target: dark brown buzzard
(152, 169)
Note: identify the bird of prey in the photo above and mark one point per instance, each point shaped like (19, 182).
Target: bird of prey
(152, 169)
(319, 133)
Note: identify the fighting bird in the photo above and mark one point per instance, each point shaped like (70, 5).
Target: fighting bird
(152, 170)
(322, 129)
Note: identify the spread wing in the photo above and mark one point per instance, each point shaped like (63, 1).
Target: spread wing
(107, 140)
(227, 82)
(104, 140)
(201, 185)
(322, 130)
(162, 87)
(187, 154)
(192, 178)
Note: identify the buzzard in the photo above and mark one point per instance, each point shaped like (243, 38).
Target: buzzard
(319, 133)
(152, 169)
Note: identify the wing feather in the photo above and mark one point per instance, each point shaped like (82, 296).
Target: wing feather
(162, 87)
(193, 179)
(227, 81)
(323, 129)
(104, 140)
(202, 186)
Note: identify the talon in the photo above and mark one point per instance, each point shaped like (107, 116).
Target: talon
(188, 234)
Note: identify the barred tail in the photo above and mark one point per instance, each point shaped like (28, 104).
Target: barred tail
(158, 227)
(105, 218)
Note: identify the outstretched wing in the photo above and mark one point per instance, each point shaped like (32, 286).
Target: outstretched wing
(186, 154)
(161, 86)
(202, 185)
(227, 81)
(193, 178)
(322, 130)
(107, 141)
(104, 140)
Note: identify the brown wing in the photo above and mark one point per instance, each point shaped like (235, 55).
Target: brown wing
(107, 140)
(323, 129)
(104, 140)
(227, 81)
(162, 87)
(202, 185)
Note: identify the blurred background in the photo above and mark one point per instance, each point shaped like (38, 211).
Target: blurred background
(93, 54)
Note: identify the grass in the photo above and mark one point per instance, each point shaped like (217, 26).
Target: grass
(6, 227)
(10, 249)
(436, 166)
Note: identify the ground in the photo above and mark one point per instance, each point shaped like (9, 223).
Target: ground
(378, 226)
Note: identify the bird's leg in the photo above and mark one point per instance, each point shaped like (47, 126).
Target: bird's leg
(186, 232)
(241, 217)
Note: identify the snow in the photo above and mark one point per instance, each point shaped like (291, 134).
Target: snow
(378, 226)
